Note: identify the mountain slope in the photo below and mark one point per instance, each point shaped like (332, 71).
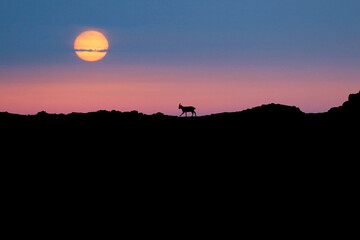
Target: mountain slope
(266, 112)
(348, 108)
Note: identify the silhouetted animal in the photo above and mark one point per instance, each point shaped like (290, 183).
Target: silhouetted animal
(186, 110)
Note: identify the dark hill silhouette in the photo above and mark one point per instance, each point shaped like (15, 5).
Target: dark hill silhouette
(266, 120)
(268, 113)
(272, 156)
(349, 108)
(273, 130)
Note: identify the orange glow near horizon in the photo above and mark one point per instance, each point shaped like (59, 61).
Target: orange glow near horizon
(151, 90)
(91, 46)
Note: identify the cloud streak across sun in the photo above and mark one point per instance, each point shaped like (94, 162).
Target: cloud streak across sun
(91, 46)
(91, 50)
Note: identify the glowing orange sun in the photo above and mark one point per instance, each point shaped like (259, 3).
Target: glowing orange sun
(91, 46)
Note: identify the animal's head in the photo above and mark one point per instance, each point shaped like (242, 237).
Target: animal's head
(180, 106)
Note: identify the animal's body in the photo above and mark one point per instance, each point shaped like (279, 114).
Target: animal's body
(186, 110)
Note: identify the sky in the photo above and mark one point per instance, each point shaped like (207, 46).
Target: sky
(217, 55)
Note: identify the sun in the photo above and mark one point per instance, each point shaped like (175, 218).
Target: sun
(91, 46)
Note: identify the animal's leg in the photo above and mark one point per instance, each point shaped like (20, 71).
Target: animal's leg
(181, 114)
(195, 114)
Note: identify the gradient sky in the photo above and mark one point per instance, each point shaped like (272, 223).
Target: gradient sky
(219, 55)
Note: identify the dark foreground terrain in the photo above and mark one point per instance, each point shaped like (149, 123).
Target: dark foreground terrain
(271, 130)
(267, 171)
(265, 118)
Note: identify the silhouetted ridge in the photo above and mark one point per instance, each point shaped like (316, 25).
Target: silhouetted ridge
(275, 110)
(350, 107)
(267, 132)
(267, 112)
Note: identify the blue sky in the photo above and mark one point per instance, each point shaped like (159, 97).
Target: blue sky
(268, 32)
(218, 55)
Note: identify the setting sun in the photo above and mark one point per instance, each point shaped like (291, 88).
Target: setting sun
(91, 46)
